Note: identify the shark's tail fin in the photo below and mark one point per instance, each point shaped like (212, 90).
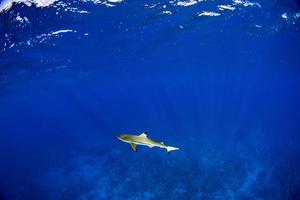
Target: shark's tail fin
(170, 148)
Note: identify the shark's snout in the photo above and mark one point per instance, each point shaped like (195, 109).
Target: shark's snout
(121, 137)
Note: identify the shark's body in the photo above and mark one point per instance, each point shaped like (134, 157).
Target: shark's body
(143, 139)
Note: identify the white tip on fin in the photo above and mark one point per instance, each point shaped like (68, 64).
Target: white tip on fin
(170, 148)
(144, 134)
(133, 146)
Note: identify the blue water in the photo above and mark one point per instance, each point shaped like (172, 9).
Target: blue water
(218, 79)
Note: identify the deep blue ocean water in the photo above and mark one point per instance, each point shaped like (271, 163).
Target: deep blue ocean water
(218, 79)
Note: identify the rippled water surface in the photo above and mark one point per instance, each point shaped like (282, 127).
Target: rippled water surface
(218, 79)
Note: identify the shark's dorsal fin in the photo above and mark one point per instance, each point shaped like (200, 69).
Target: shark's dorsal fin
(133, 146)
(144, 134)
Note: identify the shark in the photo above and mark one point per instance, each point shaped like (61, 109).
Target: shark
(144, 140)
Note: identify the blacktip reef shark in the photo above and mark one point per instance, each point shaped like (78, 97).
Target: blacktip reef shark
(143, 139)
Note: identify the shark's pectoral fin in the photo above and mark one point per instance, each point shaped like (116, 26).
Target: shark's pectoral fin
(133, 146)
